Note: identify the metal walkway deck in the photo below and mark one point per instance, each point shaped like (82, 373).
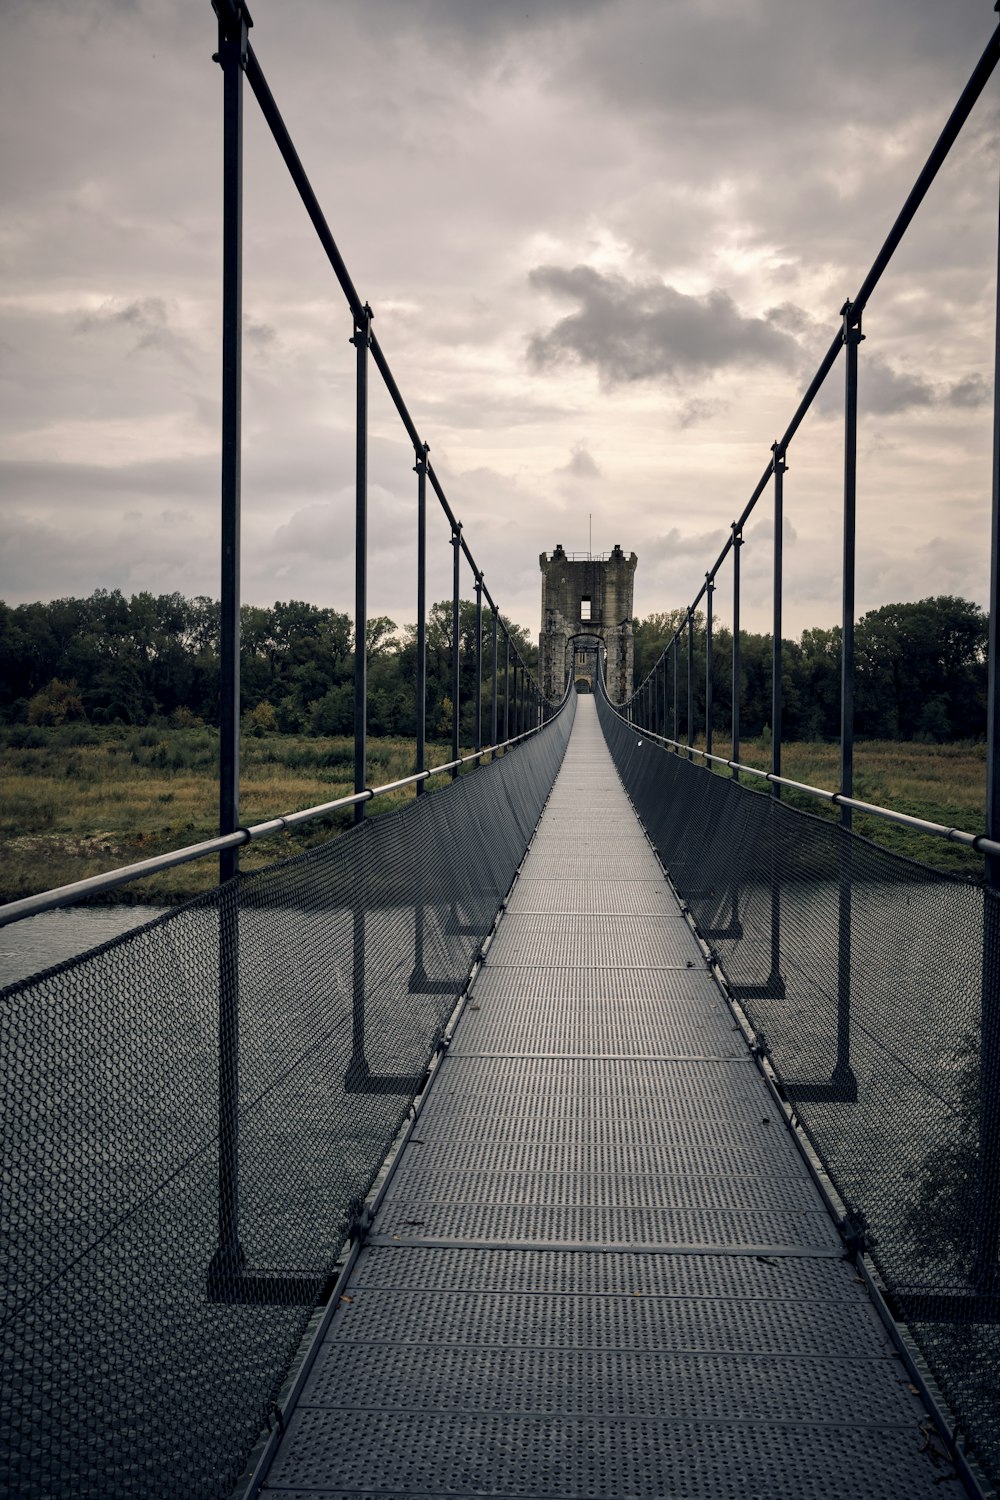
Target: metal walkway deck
(602, 1268)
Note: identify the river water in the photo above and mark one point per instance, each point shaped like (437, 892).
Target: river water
(53, 936)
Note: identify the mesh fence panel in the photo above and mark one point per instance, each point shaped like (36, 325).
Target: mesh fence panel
(126, 1371)
(873, 983)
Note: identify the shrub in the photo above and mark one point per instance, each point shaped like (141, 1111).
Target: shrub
(59, 703)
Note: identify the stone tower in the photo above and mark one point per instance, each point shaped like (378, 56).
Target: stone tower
(589, 597)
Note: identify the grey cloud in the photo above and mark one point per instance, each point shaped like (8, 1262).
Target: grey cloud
(457, 23)
(582, 464)
(674, 543)
(698, 410)
(970, 392)
(82, 486)
(260, 334)
(763, 531)
(155, 549)
(145, 314)
(641, 330)
(485, 409)
(147, 318)
(317, 530)
(884, 390)
(708, 61)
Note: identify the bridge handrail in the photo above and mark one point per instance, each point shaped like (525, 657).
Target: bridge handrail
(977, 841)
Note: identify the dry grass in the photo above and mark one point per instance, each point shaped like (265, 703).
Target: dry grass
(942, 783)
(70, 810)
(76, 803)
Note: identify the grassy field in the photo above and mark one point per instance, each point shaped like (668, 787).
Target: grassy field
(76, 801)
(942, 783)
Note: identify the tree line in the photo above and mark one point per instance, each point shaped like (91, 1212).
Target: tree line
(108, 659)
(920, 673)
(921, 668)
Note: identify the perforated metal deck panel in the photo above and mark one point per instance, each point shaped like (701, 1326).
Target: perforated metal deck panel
(601, 1268)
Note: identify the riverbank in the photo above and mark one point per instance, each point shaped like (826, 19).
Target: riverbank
(75, 801)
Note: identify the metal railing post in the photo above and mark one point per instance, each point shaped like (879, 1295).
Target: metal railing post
(737, 671)
(517, 697)
(852, 337)
(675, 723)
(362, 342)
(421, 664)
(456, 542)
(779, 521)
(479, 662)
(493, 695)
(229, 1262)
(506, 684)
(709, 591)
(774, 984)
(690, 683)
(987, 1245)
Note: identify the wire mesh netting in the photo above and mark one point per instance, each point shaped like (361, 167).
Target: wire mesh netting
(873, 983)
(128, 1368)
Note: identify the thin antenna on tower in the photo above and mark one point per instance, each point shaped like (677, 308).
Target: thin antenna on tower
(590, 540)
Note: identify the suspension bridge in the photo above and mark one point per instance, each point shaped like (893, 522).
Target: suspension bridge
(593, 1123)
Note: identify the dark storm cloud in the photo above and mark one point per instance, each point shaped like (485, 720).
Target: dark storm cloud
(642, 330)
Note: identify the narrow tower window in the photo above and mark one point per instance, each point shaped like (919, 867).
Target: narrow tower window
(585, 607)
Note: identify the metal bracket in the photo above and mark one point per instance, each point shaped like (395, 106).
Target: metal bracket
(851, 331)
(234, 23)
(362, 328)
(858, 1239)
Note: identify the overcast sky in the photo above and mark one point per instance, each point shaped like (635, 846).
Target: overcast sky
(605, 241)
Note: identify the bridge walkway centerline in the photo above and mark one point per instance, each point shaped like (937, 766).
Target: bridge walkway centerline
(601, 1266)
